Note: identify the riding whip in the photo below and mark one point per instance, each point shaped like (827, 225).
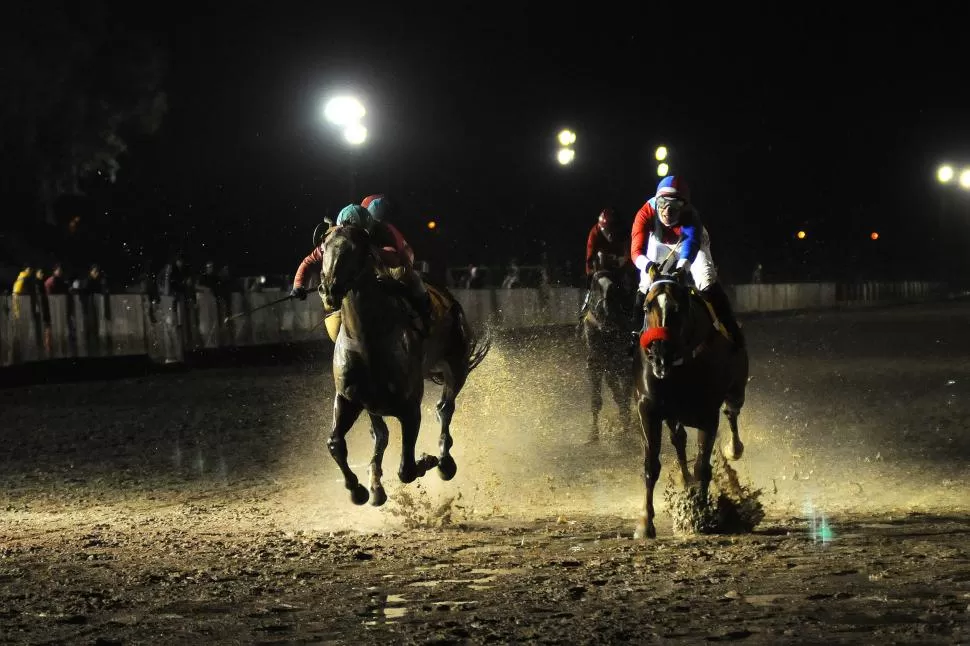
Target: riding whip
(261, 307)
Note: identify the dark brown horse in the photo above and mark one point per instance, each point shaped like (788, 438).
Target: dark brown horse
(684, 370)
(605, 330)
(380, 360)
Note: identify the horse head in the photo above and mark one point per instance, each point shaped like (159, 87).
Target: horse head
(606, 298)
(667, 316)
(347, 258)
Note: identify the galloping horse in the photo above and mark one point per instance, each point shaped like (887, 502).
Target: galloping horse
(684, 370)
(605, 331)
(380, 360)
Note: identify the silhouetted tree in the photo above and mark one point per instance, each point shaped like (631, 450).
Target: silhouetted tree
(76, 83)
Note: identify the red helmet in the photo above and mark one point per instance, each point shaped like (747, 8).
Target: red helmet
(606, 218)
(370, 198)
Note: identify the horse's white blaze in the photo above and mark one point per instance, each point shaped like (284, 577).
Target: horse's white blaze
(662, 302)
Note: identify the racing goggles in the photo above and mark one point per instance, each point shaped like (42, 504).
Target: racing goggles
(672, 203)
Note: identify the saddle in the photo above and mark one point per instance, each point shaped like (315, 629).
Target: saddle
(441, 305)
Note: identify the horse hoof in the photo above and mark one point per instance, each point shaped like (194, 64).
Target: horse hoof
(379, 497)
(447, 468)
(733, 453)
(359, 495)
(426, 463)
(645, 530)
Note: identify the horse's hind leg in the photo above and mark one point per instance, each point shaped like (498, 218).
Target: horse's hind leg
(444, 411)
(595, 372)
(706, 436)
(735, 448)
(345, 413)
(378, 431)
(678, 437)
(410, 470)
(733, 403)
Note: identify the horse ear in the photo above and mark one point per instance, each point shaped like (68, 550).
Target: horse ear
(652, 272)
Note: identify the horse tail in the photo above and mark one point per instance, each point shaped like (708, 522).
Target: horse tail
(478, 346)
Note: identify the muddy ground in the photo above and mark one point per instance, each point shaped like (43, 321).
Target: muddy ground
(203, 507)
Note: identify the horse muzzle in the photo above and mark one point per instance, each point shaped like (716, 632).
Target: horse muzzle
(660, 359)
(332, 297)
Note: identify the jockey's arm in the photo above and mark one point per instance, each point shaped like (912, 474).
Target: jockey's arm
(690, 235)
(314, 258)
(590, 250)
(396, 239)
(640, 237)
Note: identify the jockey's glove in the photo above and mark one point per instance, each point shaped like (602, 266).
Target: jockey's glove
(298, 292)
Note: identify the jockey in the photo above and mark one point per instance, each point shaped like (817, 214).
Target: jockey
(390, 246)
(667, 224)
(602, 239)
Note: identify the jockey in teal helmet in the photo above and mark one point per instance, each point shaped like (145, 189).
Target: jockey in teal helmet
(390, 246)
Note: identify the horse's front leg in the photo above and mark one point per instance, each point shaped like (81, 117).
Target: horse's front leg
(410, 470)
(735, 449)
(678, 437)
(379, 432)
(622, 388)
(650, 426)
(444, 411)
(345, 413)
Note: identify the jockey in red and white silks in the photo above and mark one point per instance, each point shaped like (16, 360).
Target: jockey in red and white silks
(666, 226)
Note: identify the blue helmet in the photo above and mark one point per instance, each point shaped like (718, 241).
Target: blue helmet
(378, 205)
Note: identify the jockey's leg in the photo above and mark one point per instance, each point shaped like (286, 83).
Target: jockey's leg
(420, 297)
(638, 315)
(705, 277)
(718, 299)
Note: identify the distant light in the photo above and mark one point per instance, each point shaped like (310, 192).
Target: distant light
(661, 153)
(432, 224)
(801, 235)
(965, 178)
(567, 138)
(945, 173)
(663, 169)
(355, 134)
(344, 111)
(566, 156)
(874, 235)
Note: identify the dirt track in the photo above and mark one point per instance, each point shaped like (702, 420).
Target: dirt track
(204, 507)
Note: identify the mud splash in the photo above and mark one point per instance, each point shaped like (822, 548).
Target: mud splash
(731, 508)
(414, 506)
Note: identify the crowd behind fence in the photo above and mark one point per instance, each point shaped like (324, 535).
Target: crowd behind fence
(38, 328)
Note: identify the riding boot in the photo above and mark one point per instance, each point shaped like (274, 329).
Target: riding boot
(422, 303)
(638, 315)
(718, 299)
(585, 307)
(424, 311)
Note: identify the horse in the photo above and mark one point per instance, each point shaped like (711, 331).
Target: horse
(380, 360)
(605, 332)
(685, 369)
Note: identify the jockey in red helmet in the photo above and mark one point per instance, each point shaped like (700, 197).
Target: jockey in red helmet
(668, 225)
(605, 249)
(603, 238)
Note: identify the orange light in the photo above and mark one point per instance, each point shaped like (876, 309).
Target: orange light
(874, 235)
(432, 224)
(800, 235)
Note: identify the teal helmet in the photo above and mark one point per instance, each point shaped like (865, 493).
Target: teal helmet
(354, 215)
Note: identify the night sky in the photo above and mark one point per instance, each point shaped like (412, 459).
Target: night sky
(831, 122)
